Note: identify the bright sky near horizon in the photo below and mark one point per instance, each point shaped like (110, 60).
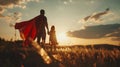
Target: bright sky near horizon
(85, 21)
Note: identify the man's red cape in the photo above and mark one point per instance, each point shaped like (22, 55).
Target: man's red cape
(27, 30)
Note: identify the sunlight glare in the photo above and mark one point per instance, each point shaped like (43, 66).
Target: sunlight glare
(62, 38)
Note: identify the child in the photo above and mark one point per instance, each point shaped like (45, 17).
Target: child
(52, 38)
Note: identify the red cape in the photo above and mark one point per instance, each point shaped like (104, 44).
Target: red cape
(27, 30)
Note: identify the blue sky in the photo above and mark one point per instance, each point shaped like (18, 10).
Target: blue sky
(66, 15)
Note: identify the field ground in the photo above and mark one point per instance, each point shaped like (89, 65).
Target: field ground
(12, 55)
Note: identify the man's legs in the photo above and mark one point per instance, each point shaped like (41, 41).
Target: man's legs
(38, 39)
(43, 38)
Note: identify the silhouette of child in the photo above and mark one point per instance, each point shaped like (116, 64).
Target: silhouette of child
(52, 38)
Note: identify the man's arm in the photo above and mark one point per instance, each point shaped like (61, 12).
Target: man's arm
(46, 25)
(47, 29)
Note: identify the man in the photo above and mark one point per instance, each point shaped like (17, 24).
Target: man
(41, 26)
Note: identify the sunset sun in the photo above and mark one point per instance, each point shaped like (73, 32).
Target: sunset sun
(62, 38)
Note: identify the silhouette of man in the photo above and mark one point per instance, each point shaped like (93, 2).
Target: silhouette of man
(41, 26)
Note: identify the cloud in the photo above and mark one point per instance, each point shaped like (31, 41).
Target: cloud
(1, 10)
(10, 4)
(1, 16)
(115, 34)
(11, 18)
(67, 1)
(92, 1)
(5, 4)
(95, 32)
(16, 16)
(96, 17)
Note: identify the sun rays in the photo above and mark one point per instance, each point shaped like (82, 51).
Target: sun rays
(62, 38)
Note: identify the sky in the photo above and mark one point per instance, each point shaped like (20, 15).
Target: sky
(77, 22)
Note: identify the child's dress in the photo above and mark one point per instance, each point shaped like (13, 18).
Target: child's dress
(52, 39)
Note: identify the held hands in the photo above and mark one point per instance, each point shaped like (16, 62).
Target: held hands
(48, 32)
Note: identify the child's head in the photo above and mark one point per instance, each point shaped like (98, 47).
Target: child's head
(52, 27)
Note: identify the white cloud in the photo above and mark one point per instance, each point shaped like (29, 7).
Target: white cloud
(5, 4)
(11, 4)
(12, 17)
(92, 1)
(67, 1)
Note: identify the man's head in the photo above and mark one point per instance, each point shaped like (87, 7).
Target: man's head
(42, 11)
